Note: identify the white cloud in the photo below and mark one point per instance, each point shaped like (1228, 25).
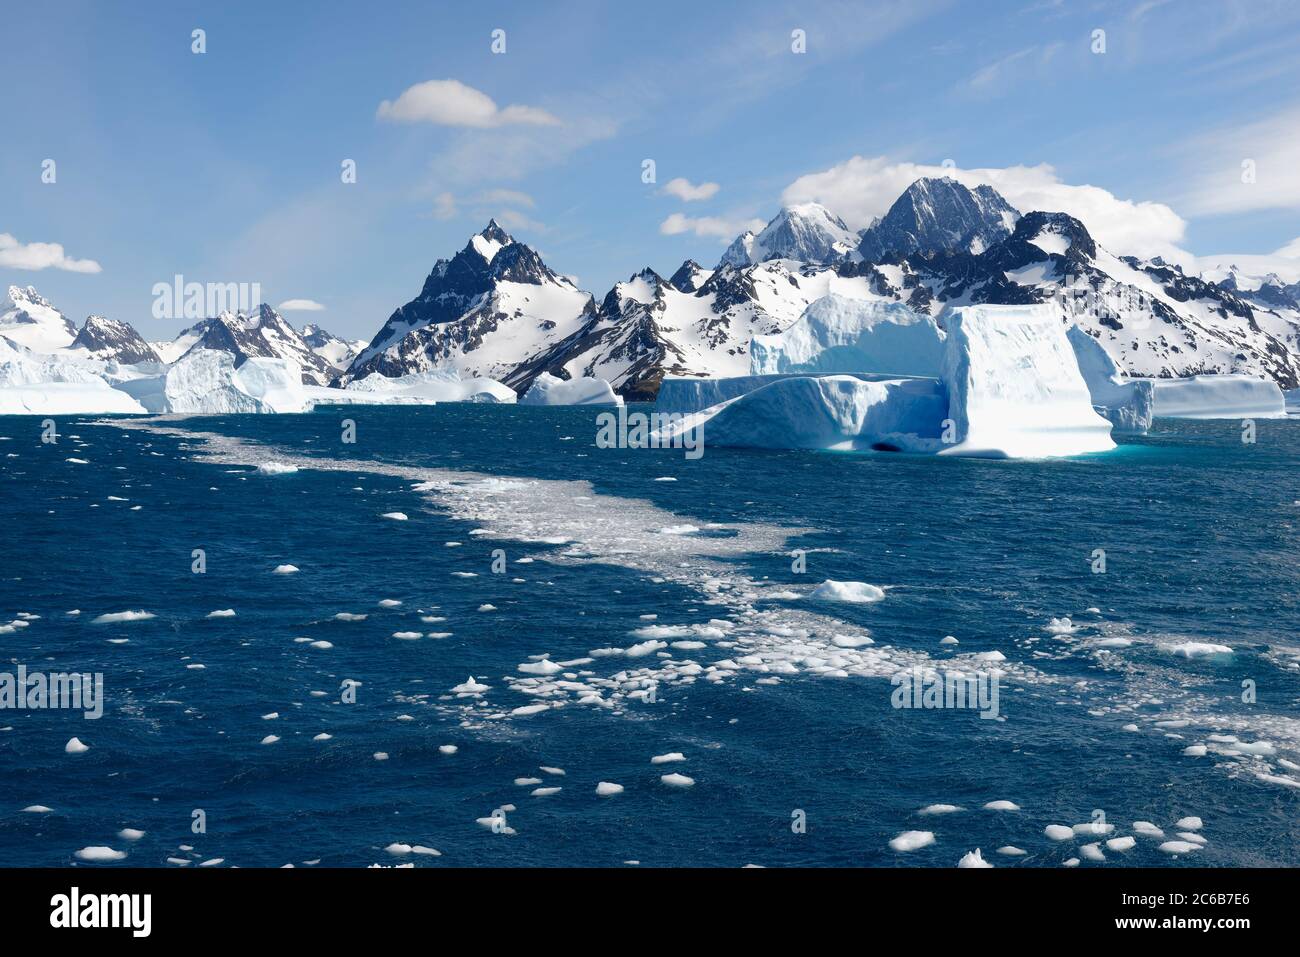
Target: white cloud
(1285, 262)
(719, 227)
(16, 255)
(1215, 170)
(1002, 72)
(513, 219)
(511, 197)
(300, 305)
(452, 103)
(444, 206)
(688, 192)
(862, 188)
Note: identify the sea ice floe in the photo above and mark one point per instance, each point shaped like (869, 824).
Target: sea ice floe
(1121, 843)
(284, 569)
(270, 739)
(544, 792)
(940, 809)
(37, 809)
(276, 468)
(74, 746)
(554, 771)
(130, 834)
(407, 635)
(116, 617)
(450, 748)
(676, 780)
(395, 516)
(1001, 806)
(1010, 850)
(527, 782)
(543, 667)
(668, 758)
(1198, 649)
(99, 853)
(1060, 626)
(1059, 832)
(1147, 829)
(608, 789)
(222, 613)
(856, 592)
(1178, 847)
(911, 840)
(388, 603)
(1092, 852)
(1189, 824)
(349, 616)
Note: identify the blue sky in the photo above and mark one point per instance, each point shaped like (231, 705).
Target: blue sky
(225, 166)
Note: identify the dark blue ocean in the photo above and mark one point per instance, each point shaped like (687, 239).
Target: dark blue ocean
(796, 753)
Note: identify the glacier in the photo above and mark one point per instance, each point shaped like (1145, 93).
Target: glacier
(1227, 396)
(837, 334)
(551, 390)
(206, 382)
(33, 384)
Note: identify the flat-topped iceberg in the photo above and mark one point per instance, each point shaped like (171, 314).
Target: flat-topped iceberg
(551, 390)
(207, 382)
(1008, 385)
(836, 334)
(1014, 386)
(417, 388)
(35, 384)
(1232, 396)
(827, 412)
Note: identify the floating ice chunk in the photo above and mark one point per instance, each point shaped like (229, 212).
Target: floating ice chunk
(323, 736)
(1130, 727)
(1228, 396)
(911, 840)
(676, 780)
(1189, 824)
(450, 748)
(74, 746)
(1198, 649)
(321, 644)
(990, 656)
(668, 758)
(222, 613)
(120, 616)
(1089, 828)
(130, 834)
(271, 716)
(544, 792)
(487, 607)
(1193, 837)
(349, 616)
(528, 709)
(398, 849)
(949, 640)
(380, 755)
(684, 529)
(425, 851)
(665, 478)
(1092, 852)
(1001, 806)
(1121, 843)
(554, 771)
(276, 468)
(608, 789)
(1010, 850)
(940, 809)
(851, 641)
(389, 603)
(551, 390)
(973, 859)
(395, 516)
(543, 667)
(407, 635)
(37, 809)
(1178, 847)
(284, 569)
(1059, 832)
(1060, 626)
(1072, 862)
(271, 739)
(1147, 829)
(527, 782)
(856, 592)
(1195, 750)
(99, 853)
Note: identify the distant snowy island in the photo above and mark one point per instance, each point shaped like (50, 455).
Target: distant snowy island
(952, 325)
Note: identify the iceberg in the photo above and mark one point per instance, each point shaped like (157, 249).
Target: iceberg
(1127, 403)
(416, 388)
(838, 335)
(550, 390)
(32, 384)
(826, 412)
(207, 382)
(1230, 396)
(1014, 386)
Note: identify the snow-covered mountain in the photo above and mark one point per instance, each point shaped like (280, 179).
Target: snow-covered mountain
(111, 340)
(488, 311)
(338, 352)
(265, 334)
(939, 216)
(808, 232)
(30, 321)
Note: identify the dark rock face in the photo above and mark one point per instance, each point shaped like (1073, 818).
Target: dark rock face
(113, 340)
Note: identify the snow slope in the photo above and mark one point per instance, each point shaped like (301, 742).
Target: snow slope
(31, 322)
(32, 384)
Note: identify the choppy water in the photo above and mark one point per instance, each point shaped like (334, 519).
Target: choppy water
(771, 713)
